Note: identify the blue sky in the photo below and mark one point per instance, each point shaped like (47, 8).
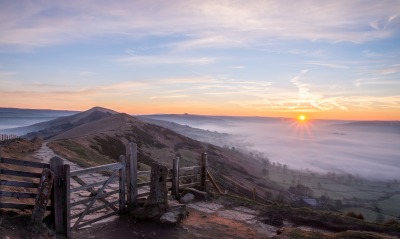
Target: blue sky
(328, 59)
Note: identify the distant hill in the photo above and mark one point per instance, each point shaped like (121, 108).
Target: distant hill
(389, 126)
(14, 117)
(17, 112)
(53, 127)
(203, 120)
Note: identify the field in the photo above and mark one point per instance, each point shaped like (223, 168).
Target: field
(374, 199)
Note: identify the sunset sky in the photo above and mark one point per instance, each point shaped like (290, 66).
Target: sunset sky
(328, 59)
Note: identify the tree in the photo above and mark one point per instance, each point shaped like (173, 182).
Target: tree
(301, 190)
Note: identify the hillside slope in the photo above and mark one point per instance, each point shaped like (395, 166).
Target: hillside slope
(85, 144)
(53, 127)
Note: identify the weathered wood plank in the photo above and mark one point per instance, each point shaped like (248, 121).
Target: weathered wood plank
(19, 173)
(189, 176)
(203, 172)
(213, 182)
(131, 169)
(25, 163)
(95, 209)
(17, 194)
(122, 180)
(67, 208)
(20, 206)
(141, 173)
(58, 196)
(18, 184)
(96, 220)
(43, 196)
(143, 194)
(189, 185)
(92, 185)
(113, 166)
(81, 182)
(175, 178)
(104, 195)
(190, 168)
(143, 184)
(99, 193)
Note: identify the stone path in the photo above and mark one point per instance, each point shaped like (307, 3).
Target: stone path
(241, 214)
(44, 154)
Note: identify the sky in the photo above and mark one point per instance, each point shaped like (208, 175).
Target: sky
(337, 59)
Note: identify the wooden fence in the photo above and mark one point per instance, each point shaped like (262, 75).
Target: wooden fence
(6, 137)
(18, 181)
(117, 171)
(125, 172)
(222, 181)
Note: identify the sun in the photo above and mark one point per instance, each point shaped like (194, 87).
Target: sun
(302, 118)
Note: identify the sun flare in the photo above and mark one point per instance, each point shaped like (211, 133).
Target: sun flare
(302, 118)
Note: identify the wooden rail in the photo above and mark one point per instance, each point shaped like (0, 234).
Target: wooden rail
(25, 179)
(6, 137)
(97, 195)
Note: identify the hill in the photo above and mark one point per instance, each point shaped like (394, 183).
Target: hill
(386, 126)
(53, 127)
(110, 134)
(15, 117)
(103, 140)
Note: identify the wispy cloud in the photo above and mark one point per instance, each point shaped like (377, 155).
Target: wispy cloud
(369, 53)
(375, 81)
(168, 97)
(389, 70)
(50, 23)
(86, 73)
(237, 67)
(166, 59)
(8, 73)
(330, 65)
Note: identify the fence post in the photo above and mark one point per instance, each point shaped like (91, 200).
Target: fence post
(122, 178)
(131, 157)
(58, 198)
(175, 178)
(67, 208)
(203, 173)
(42, 196)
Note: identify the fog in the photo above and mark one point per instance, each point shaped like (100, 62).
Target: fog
(369, 151)
(6, 123)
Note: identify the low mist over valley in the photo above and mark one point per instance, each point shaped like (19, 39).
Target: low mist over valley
(366, 149)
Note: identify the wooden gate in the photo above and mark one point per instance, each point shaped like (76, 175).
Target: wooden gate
(96, 196)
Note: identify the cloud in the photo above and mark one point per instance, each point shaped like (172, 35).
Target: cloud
(389, 70)
(198, 24)
(86, 73)
(168, 97)
(8, 73)
(336, 66)
(375, 81)
(166, 60)
(369, 53)
(304, 71)
(237, 67)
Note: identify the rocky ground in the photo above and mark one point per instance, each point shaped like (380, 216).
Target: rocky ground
(207, 219)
